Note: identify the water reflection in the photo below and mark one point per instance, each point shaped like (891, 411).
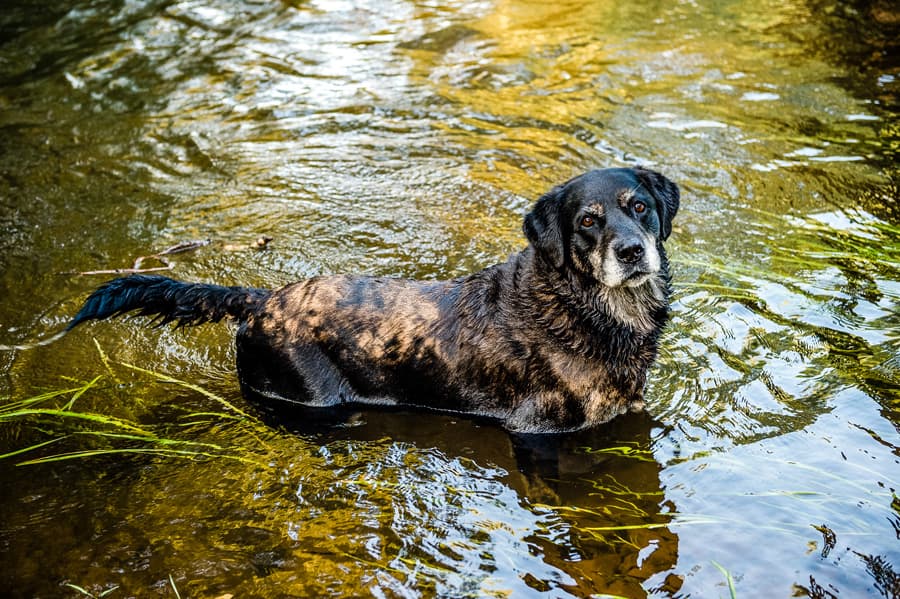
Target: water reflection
(471, 510)
(444, 507)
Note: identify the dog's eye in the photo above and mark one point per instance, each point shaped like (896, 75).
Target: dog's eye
(587, 221)
(640, 207)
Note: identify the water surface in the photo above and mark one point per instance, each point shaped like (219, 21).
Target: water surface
(408, 139)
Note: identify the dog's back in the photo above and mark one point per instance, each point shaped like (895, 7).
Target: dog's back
(444, 344)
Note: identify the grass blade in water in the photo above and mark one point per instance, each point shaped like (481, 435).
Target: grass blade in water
(192, 387)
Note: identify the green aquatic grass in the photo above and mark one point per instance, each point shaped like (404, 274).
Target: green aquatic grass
(63, 414)
(43, 397)
(106, 363)
(87, 593)
(174, 588)
(720, 291)
(732, 592)
(870, 247)
(80, 392)
(113, 588)
(633, 452)
(672, 520)
(168, 379)
(32, 447)
(54, 413)
(174, 453)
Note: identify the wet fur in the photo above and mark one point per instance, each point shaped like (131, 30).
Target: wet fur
(557, 338)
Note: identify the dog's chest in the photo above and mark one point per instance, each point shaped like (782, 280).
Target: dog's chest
(601, 378)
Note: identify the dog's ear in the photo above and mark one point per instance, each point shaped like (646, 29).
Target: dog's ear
(542, 227)
(667, 198)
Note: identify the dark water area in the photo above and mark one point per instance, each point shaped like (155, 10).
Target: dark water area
(408, 139)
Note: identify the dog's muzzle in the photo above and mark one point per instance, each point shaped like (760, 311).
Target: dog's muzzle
(629, 261)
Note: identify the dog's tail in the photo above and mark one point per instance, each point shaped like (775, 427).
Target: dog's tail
(168, 300)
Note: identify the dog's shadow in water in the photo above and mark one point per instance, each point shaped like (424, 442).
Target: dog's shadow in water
(541, 467)
(604, 478)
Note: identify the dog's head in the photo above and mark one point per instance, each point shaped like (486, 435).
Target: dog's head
(608, 225)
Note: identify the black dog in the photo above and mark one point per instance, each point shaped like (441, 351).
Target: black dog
(557, 338)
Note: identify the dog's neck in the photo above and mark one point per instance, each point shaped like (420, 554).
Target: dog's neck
(638, 308)
(618, 327)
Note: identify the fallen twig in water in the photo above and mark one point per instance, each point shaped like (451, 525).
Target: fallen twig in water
(184, 246)
(260, 243)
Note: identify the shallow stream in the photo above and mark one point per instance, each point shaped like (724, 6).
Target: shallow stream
(408, 139)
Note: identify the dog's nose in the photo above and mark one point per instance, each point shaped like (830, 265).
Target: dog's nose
(630, 251)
